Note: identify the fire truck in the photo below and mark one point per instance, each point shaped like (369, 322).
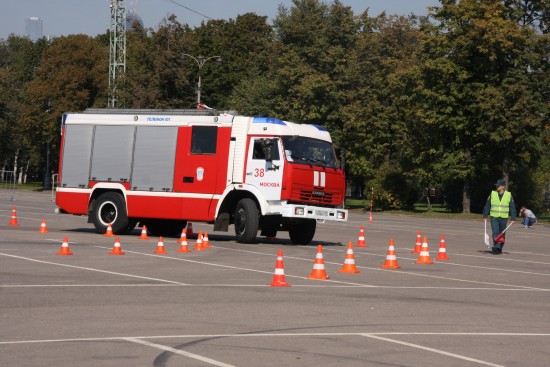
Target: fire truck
(163, 168)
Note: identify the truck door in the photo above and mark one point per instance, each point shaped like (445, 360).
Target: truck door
(264, 167)
(199, 171)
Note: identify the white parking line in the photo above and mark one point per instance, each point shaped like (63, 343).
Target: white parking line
(499, 258)
(152, 285)
(400, 271)
(179, 351)
(92, 269)
(329, 281)
(478, 361)
(254, 335)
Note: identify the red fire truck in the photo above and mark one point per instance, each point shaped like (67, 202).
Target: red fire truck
(162, 168)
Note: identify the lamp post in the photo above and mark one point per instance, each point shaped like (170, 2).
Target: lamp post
(201, 60)
(47, 173)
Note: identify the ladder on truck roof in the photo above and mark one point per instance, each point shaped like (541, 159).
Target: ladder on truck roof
(130, 111)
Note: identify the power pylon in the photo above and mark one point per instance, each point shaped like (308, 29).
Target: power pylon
(117, 50)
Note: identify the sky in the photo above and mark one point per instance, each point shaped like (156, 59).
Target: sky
(92, 17)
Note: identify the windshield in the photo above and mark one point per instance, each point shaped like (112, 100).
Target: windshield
(309, 151)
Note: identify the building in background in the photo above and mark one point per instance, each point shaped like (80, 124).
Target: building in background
(33, 28)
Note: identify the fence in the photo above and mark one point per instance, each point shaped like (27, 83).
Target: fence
(7, 184)
(54, 185)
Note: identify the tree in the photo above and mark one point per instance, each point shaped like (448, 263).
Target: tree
(18, 66)
(71, 76)
(478, 91)
(245, 46)
(381, 133)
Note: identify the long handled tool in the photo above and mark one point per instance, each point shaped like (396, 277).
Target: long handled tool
(487, 243)
(500, 237)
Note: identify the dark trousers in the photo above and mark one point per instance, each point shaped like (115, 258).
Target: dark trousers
(498, 225)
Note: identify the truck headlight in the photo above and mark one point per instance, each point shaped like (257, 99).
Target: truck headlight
(298, 211)
(341, 215)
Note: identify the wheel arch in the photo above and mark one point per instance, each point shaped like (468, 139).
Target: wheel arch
(102, 188)
(230, 198)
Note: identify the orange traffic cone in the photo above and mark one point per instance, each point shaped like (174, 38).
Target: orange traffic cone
(183, 236)
(13, 220)
(361, 241)
(65, 250)
(160, 247)
(318, 271)
(442, 254)
(183, 247)
(279, 276)
(424, 257)
(391, 259)
(116, 249)
(43, 227)
(143, 235)
(370, 217)
(349, 262)
(418, 244)
(190, 229)
(198, 243)
(205, 241)
(109, 232)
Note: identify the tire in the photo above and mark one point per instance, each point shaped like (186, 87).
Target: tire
(247, 221)
(110, 207)
(302, 232)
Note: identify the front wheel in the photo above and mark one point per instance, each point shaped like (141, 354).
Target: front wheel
(247, 220)
(110, 208)
(302, 232)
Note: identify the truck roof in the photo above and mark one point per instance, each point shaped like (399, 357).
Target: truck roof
(257, 125)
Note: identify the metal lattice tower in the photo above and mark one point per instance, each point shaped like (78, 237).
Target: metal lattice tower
(117, 51)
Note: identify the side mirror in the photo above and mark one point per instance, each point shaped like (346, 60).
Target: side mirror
(269, 144)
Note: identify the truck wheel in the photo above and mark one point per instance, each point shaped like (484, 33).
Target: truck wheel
(302, 232)
(247, 220)
(110, 208)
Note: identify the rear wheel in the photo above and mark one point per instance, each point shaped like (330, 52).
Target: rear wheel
(110, 208)
(247, 220)
(302, 231)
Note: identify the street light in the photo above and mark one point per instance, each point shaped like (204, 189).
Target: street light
(201, 60)
(47, 174)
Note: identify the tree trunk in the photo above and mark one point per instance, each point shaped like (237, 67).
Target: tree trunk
(506, 166)
(15, 159)
(466, 197)
(466, 187)
(26, 172)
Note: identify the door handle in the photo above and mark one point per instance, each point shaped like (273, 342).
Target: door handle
(188, 179)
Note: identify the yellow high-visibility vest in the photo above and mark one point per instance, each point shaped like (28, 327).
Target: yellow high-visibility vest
(500, 208)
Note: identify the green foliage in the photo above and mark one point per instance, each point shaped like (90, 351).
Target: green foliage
(450, 101)
(386, 200)
(392, 189)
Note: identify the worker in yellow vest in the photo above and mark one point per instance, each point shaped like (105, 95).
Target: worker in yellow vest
(499, 205)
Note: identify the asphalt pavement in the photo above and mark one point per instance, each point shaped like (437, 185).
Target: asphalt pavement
(215, 307)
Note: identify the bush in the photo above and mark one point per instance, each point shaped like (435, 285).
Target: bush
(386, 200)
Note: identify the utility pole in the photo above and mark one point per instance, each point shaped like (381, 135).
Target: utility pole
(117, 50)
(201, 60)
